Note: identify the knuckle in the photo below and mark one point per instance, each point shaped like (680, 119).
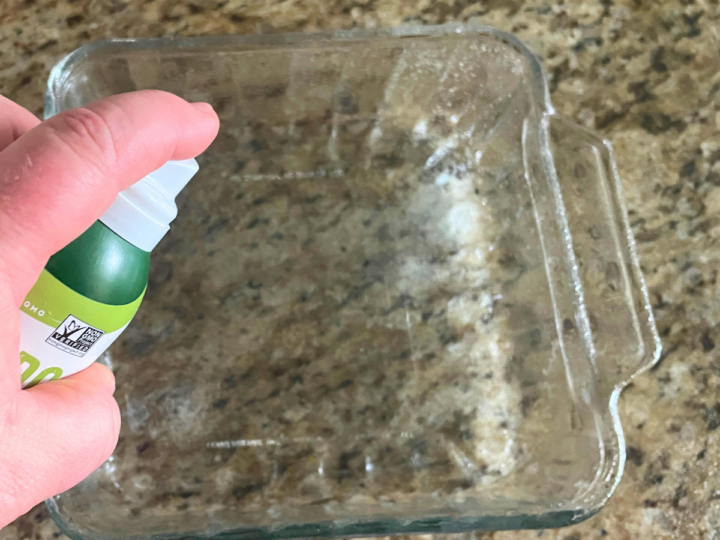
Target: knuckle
(89, 135)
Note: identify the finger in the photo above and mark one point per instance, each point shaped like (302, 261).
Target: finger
(10, 364)
(97, 374)
(59, 177)
(14, 121)
(53, 436)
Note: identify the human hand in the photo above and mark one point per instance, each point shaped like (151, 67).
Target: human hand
(56, 178)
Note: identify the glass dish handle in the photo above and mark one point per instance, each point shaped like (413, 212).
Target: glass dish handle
(624, 339)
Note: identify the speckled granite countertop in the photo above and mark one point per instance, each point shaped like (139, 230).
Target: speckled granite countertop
(644, 73)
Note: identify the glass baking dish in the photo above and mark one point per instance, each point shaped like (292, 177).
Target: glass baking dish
(401, 296)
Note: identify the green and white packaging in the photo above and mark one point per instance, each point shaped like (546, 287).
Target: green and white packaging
(90, 290)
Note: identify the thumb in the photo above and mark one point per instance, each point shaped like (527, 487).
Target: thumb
(54, 435)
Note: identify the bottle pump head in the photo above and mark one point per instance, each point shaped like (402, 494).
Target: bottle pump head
(142, 213)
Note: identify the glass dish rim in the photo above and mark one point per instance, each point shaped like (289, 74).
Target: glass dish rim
(550, 519)
(62, 69)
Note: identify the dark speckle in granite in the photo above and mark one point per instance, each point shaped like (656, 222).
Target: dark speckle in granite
(220, 403)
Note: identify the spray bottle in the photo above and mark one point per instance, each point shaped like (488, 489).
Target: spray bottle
(91, 289)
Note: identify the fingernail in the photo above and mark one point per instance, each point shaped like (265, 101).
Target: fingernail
(204, 108)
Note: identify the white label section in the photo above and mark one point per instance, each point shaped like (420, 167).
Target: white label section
(52, 350)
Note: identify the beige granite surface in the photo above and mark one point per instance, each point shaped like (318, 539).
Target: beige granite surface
(644, 73)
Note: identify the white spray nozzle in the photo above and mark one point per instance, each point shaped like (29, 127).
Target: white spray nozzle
(174, 175)
(142, 213)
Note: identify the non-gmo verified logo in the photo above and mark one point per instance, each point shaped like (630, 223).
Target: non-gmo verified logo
(74, 336)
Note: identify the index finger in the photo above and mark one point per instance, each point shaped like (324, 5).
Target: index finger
(60, 176)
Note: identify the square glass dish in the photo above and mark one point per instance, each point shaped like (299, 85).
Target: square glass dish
(401, 296)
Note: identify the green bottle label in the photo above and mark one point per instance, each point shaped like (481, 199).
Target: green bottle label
(63, 332)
